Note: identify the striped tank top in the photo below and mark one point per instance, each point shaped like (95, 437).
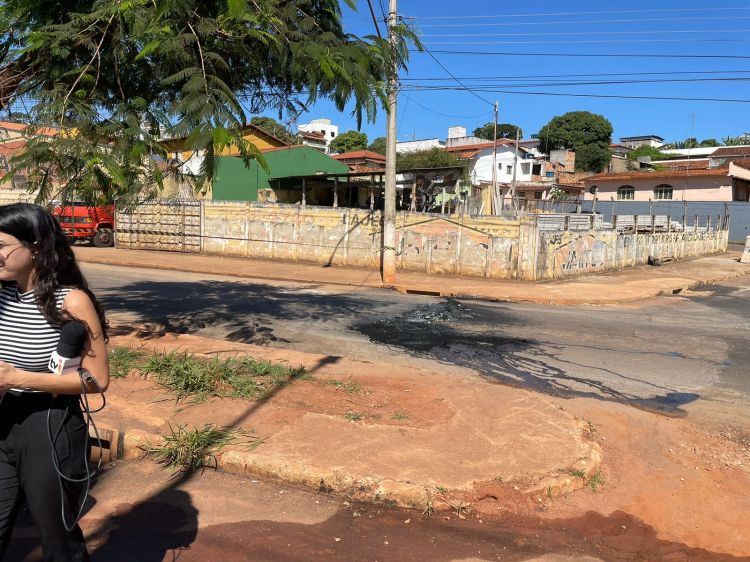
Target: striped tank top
(27, 339)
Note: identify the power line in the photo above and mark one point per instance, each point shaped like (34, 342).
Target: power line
(447, 114)
(581, 22)
(456, 79)
(374, 19)
(382, 10)
(484, 86)
(582, 42)
(586, 55)
(594, 75)
(612, 96)
(569, 33)
(660, 10)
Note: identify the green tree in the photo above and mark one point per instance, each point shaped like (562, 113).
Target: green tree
(378, 145)
(707, 143)
(273, 127)
(589, 135)
(118, 77)
(350, 140)
(504, 131)
(735, 141)
(646, 150)
(430, 158)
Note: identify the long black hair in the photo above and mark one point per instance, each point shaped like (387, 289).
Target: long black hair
(54, 261)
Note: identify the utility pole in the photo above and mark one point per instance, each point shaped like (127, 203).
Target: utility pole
(515, 166)
(388, 260)
(495, 196)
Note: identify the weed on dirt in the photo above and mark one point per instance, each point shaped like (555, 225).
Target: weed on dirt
(595, 481)
(346, 386)
(354, 416)
(123, 360)
(191, 449)
(189, 375)
(400, 416)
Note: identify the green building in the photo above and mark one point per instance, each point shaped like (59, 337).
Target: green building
(282, 182)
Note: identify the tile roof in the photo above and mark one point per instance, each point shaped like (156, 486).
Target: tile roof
(369, 154)
(698, 164)
(726, 151)
(657, 174)
(21, 127)
(478, 146)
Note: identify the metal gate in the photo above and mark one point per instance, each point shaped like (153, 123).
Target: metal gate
(173, 225)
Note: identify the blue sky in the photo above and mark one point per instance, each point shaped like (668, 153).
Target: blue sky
(582, 27)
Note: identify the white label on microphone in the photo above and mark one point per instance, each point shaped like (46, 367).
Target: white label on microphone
(63, 365)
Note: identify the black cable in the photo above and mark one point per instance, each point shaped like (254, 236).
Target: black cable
(656, 10)
(586, 55)
(374, 19)
(559, 94)
(85, 377)
(591, 75)
(486, 86)
(456, 79)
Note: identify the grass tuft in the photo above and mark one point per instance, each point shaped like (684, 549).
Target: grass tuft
(346, 386)
(595, 481)
(124, 360)
(238, 377)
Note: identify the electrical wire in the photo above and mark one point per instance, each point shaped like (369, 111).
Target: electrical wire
(612, 96)
(581, 22)
(585, 42)
(484, 86)
(374, 19)
(585, 55)
(569, 33)
(591, 75)
(456, 79)
(449, 115)
(654, 10)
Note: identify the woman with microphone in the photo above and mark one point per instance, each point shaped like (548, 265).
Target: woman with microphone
(43, 436)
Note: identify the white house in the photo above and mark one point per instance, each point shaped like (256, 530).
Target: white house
(322, 126)
(403, 147)
(529, 168)
(648, 140)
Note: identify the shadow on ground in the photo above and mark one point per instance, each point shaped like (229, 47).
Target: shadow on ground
(465, 335)
(245, 311)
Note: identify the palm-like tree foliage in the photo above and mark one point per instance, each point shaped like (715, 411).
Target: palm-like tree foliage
(117, 77)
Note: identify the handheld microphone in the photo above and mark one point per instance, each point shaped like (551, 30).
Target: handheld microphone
(67, 357)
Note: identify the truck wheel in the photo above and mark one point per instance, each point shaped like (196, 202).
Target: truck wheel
(104, 238)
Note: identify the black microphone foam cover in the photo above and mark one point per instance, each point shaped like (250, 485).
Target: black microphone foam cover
(72, 338)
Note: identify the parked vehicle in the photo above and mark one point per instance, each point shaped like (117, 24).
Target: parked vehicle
(80, 221)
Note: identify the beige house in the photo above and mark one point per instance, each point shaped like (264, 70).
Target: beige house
(716, 184)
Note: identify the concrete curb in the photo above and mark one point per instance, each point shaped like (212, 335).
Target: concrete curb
(683, 284)
(131, 444)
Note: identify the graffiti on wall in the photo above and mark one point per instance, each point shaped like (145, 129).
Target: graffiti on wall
(579, 255)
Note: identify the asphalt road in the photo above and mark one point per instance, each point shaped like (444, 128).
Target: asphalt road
(681, 355)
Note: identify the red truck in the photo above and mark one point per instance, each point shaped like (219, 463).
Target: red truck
(84, 222)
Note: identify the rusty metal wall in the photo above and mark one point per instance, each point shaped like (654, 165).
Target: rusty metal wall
(173, 225)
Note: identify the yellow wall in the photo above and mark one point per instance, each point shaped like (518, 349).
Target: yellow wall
(261, 141)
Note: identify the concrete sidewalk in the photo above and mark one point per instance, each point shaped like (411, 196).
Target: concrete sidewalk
(606, 288)
(415, 433)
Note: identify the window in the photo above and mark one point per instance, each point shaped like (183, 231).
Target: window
(536, 170)
(333, 134)
(538, 194)
(509, 169)
(626, 193)
(663, 191)
(525, 168)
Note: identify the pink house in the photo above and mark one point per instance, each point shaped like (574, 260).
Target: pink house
(727, 183)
